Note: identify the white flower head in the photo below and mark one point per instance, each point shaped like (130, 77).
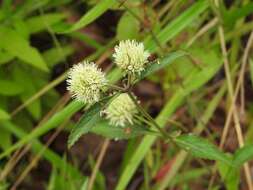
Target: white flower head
(121, 110)
(131, 56)
(85, 82)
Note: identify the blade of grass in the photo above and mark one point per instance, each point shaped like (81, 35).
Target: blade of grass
(177, 25)
(52, 123)
(49, 155)
(91, 15)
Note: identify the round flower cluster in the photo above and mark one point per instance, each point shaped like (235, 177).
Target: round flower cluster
(130, 56)
(85, 82)
(121, 110)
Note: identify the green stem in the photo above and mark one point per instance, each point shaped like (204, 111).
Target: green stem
(145, 114)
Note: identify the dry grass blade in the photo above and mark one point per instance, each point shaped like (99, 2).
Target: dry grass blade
(98, 163)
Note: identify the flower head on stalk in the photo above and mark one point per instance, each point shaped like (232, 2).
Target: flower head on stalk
(86, 82)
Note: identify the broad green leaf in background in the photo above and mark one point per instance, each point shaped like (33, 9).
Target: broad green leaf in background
(91, 15)
(5, 57)
(55, 55)
(21, 28)
(39, 23)
(16, 45)
(26, 82)
(128, 27)
(10, 88)
(201, 148)
(5, 138)
(4, 115)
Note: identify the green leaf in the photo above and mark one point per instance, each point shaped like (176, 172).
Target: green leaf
(56, 55)
(40, 23)
(85, 184)
(91, 15)
(87, 121)
(161, 63)
(5, 137)
(178, 24)
(169, 108)
(243, 155)
(115, 132)
(16, 45)
(230, 175)
(230, 17)
(26, 81)
(201, 148)
(4, 115)
(85, 38)
(21, 28)
(52, 180)
(128, 27)
(9, 88)
(5, 57)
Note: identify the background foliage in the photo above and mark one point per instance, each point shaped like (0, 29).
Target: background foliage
(192, 89)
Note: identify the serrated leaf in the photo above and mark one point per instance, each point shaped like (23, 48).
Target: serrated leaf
(243, 155)
(229, 175)
(115, 132)
(91, 15)
(201, 148)
(161, 63)
(10, 88)
(87, 121)
(16, 45)
(128, 27)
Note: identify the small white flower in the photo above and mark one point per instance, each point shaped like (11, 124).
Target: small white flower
(121, 110)
(130, 56)
(85, 82)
